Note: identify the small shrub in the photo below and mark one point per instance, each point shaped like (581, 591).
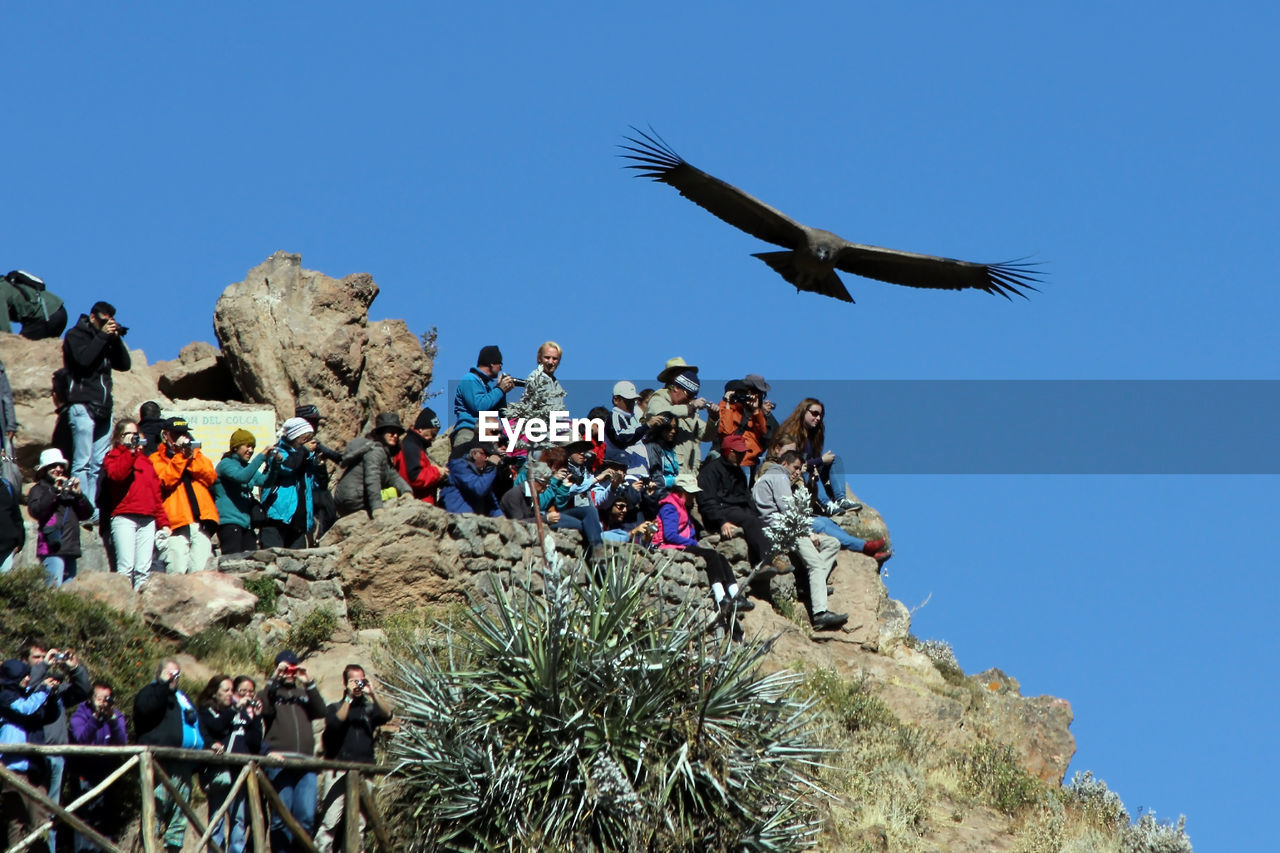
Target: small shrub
(994, 773)
(1096, 803)
(848, 702)
(265, 589)
(221, 651)
(1147, 835)
(312, 631)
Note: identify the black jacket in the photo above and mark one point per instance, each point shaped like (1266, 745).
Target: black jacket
(723, 486)
(13, 534)
(89, 356)
(238, 731)
(44, 502)
(352, 740)
(157, 716)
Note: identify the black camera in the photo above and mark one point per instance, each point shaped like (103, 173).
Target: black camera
(135, 440)
(742, 398)
(519, 383)
(121, 330)
(60, 657)
(362, 684)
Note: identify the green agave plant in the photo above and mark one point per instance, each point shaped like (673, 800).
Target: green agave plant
(594, 718)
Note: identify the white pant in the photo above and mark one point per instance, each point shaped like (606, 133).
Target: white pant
(133, 537)
(332, 809)
(818, 560)
(187, 550)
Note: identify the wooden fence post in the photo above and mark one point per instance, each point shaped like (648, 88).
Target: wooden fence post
(147, 780)
(256, 824)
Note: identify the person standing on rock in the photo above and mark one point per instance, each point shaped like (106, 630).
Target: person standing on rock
(370, 469)
(483, 389)
(58, 506)
(324, 507)
(186, 478)
(71, 686)
(288, 493)
(544, 376)
(137, 507)
(239, 472)
(91, 350)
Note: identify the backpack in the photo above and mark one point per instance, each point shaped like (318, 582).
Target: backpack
(32, 288)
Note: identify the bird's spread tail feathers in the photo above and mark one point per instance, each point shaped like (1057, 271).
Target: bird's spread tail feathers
(784, 264)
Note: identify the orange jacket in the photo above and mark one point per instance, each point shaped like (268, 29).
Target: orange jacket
(754, 432)
(170, 470)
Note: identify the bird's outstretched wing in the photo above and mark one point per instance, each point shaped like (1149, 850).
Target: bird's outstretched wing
(655, 159)
(915, 270)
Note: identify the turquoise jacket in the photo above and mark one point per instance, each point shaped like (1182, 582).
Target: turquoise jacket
(233, 490)
(289, 478)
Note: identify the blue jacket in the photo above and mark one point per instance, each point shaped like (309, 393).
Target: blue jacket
(469, 490)
(476, 393)
(233, 490)
(287, 476)
(22, 714)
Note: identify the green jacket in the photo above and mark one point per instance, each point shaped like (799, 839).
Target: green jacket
(22, 304)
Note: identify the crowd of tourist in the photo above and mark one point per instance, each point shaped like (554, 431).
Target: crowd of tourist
(161, 504)
(47, 697)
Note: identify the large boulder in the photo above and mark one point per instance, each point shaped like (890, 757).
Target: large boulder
(30, 366)
(184, 605)
(292, 336)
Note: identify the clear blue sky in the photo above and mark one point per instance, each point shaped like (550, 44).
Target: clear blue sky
(464, 155)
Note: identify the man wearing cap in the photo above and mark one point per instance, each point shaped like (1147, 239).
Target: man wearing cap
(290, 701)
(624, 431)
(414, 461)
(544, 376)
(324, 508)
(186, 482)
(472, 472)
(517, 503)
(91, 350)
(756, 382)
(483, 389)
(741, 414)
(727, 506)
(679, 398)
(58, 505)
(287, 495)
(368, 468)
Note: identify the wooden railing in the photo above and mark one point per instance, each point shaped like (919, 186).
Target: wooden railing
(261, 797)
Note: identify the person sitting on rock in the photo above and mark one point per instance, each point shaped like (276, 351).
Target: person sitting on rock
(728, 508)
(186, 482)
(517, 503)
(741, 414)
(368, 468)
(674, 529)
(414, 462)
(622, 520)
(571, 484)
(773, 493)
(239, 471)
(472, 472)
(483, 389)
(287, 495)
(623, 429)
(24, 299)
(824, 471)
(662, 465)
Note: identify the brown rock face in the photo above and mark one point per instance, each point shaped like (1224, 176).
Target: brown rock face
(30, 366)
(200, 372)
(292, 336)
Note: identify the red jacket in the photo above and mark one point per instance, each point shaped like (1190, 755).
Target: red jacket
(416, 468)
(133, 486)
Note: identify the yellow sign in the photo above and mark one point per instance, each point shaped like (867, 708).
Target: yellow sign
(213, 427)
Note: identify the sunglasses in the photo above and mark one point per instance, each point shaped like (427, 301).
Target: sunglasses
(817, 413)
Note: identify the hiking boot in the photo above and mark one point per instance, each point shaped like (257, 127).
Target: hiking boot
(873, 547)
(743, 604)
(725, 606)
(828, 621)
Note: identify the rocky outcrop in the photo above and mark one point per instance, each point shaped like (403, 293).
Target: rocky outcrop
(292, 336)
(200, 372)
(299, 583)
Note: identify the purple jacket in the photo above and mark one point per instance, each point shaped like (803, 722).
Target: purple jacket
(89, 730)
